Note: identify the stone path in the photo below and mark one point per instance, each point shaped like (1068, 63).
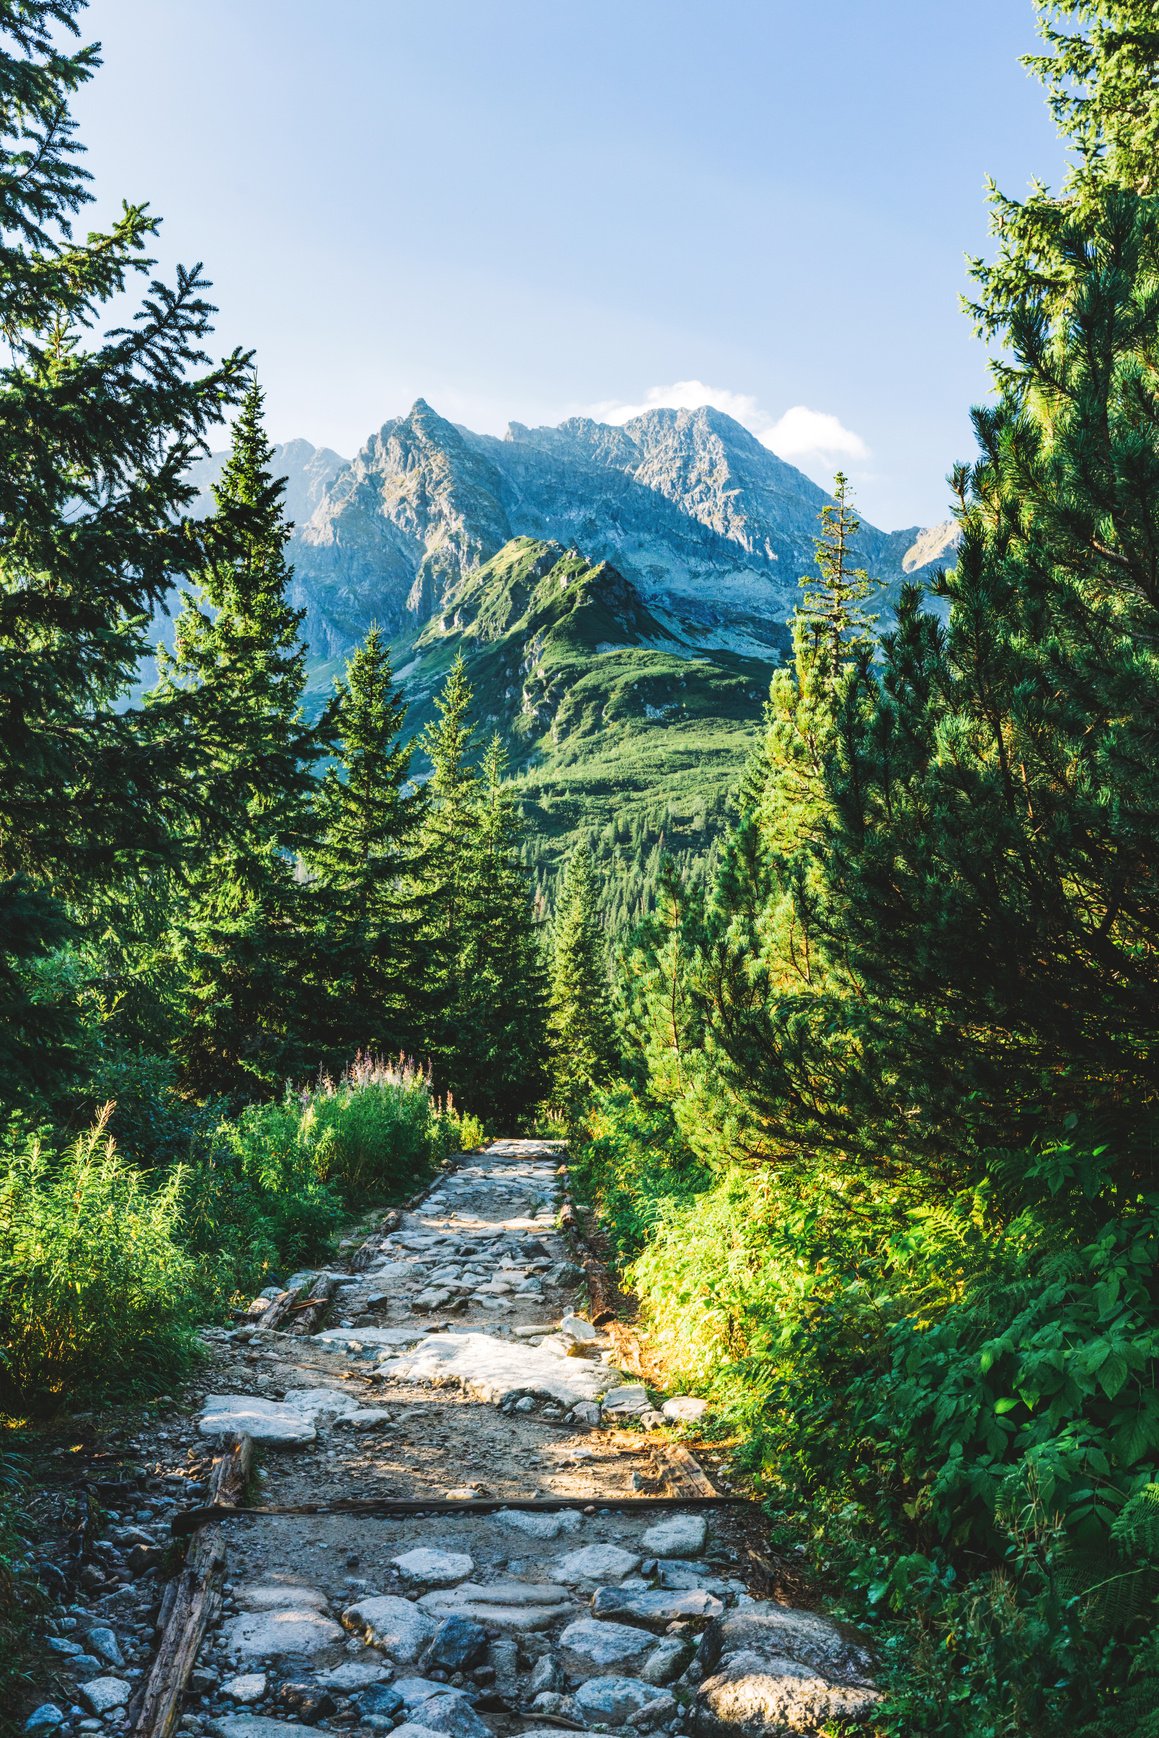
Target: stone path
(456, 1365)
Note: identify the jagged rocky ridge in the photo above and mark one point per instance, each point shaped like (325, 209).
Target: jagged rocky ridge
(712, 529)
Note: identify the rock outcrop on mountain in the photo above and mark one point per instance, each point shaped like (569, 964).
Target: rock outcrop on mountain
(308, 472)
(711, 528)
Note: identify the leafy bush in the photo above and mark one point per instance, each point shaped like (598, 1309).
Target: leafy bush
(369, 1136)
(94, 1284)
(951, 1403)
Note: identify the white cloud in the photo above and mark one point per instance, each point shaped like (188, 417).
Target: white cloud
(684, 395)
(801, 435)
(812, 434)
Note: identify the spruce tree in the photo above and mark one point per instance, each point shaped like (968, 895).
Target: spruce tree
(581, 1033)
(238, 666)
(499, 1068)
(97, 432)
(367, 815)
(444, 868)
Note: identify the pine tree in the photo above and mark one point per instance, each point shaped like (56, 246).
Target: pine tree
(239, 668)
(498, 1069)
(995, 863)
(444, 868)
(833, 608)
(97, 434)
(581, 1034)
(368, 815)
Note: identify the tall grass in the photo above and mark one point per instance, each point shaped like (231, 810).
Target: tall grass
(105, 1267)
(372, 1134)
(94, 1282)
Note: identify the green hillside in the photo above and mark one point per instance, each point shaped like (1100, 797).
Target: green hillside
(617, 732)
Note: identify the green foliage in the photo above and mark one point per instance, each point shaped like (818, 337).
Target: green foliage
(477, 951)
(581, 1033)
(950, 1404)
(93, 1282)
(238, 671)
(367, 815)
(833, 608)
(499, 1045)
(371, 1135)
(105, 1267)
(96, 429)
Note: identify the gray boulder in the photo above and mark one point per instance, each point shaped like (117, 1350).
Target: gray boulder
(589, 1649)
(656, 1607)
(612, 1701)
(775, 1672)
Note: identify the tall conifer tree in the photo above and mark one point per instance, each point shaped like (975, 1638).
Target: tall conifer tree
(580, 1028)
(239, 665)
(96, 434)
(499, 1071)
(368, 816)
(445, 868)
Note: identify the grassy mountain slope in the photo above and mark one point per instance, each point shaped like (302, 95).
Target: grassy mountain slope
(617, 732)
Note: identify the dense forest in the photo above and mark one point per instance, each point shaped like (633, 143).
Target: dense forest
(866, 1102)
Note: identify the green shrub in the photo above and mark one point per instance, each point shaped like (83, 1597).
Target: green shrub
(95, 1288)
(951, 1403)
(370, 1136)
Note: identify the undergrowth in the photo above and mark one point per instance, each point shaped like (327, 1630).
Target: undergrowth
(106, 1265)
(950, 1402)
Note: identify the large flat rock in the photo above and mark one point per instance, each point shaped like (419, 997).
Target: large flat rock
(285, 1423)
(614, 1700)
(440, 1708)
(261, 1726)
(507, 1605)
(656, 1608)
(368, 1339)
(756, 1697)
(595, 1563)
(676, 1536)
(491, 1369)
(292, 1629)
(541, 1523)
(265, 1420)
(589, 1648)
(395, 1626)
(784, 1631)
(276, 1595)
(775, 1672)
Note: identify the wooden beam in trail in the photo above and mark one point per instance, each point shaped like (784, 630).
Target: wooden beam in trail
(192, 1601)
(309, 1313)
(193, 1519)
(279, 1309)
(687, 1474)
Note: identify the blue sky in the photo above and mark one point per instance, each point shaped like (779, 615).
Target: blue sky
(525, 209)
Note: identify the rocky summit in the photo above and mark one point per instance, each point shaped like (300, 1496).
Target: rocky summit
(713, 529)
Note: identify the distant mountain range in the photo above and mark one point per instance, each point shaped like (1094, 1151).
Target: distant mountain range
(710, 526)
(620, 595)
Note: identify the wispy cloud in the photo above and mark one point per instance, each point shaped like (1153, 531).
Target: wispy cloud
(801, 435)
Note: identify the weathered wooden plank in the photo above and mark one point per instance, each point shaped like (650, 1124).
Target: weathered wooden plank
(310, 1312)
(686, 1472)
(191, 1603)
(278, 1310)
(191, 1519)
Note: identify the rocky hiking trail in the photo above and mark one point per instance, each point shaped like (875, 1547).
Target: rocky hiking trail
(427, 1501)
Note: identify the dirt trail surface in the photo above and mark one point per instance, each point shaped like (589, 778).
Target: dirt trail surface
(457, 1365)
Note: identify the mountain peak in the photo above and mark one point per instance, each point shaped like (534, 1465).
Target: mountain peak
(711, 528)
